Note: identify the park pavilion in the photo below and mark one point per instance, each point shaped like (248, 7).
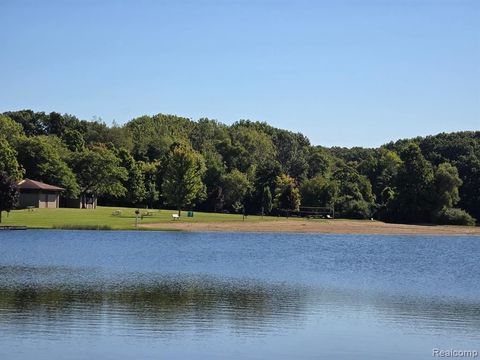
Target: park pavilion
(36, 194)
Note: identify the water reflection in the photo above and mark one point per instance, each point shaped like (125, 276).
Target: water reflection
(157, 303)
(124, 295)
(61, 300)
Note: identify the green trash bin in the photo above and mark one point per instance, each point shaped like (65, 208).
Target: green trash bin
(190, 214)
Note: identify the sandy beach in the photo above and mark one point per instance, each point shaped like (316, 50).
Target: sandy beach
(315, 226)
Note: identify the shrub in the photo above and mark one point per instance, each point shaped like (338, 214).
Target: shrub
(82, 227)
(454, 216)
(355, 209)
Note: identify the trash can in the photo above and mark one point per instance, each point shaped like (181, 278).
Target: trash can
(190, 214)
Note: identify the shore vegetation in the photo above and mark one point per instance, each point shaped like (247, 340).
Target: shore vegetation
(248, 168)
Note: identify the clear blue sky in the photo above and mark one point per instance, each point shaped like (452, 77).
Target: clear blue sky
(358, 72)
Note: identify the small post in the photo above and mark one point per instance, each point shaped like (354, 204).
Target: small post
(136, 218)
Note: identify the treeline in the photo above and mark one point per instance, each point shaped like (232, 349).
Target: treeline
(248, 167)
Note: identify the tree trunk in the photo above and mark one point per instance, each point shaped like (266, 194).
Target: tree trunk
(179, 211)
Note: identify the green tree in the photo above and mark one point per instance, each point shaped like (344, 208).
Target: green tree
(318, 191)
(446, 185)
(287, 196)
(469, 169)
(355, 197)
(149, 171)
(414, 201)
(319, 162)
(8, 160)
(73, 140)
(215, 170)
(381, 168)
(236, 186)
(152, 136)
(266, 175)
(135, 182)
(454, 216)
(292, 153)
(266, 200)
(249, 148)
(10, 130)
(33, 123)
(207, 134)
(8, 193)
(182, 178)
(55, 124)
(99, 172)
(462, 150)
(39, 156)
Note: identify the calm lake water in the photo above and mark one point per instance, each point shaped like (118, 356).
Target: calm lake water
(161, 295)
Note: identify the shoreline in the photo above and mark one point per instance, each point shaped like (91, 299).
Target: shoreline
(315, 227)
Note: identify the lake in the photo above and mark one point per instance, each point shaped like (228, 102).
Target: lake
(172, 295)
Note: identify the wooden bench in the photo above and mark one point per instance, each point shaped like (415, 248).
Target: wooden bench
(175, 217)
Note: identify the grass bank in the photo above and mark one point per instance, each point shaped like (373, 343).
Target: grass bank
(116, 218)
(112, 218)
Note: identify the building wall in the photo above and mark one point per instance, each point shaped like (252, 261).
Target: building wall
(42, 200)
(28, 199)
(48, 200)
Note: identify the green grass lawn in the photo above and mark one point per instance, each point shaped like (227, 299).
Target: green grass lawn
(108, 218)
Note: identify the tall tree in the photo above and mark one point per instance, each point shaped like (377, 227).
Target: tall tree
(292, 153)
(355, 197)
(469, 169)
(182, 179)
(381, 167)
(319, 162)
(446, 185)
(135, 183)
(33, 123)
(287, 196)
(266, 200)
(40, 157)
(251, 148)
(10, 130)
(215, 170)
(236, 186)
(415, 196)
(8, 160)
(73, 140)
(99, 173)
(149, 172)
(8, 193)
(318, 191)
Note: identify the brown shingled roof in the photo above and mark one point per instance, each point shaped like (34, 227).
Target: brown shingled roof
(37, 185)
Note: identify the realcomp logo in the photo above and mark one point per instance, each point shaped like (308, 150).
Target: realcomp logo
(452, 353)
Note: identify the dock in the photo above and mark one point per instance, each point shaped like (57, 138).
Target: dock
(7, 227)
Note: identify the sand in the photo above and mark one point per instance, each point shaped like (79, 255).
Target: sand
(316, 226)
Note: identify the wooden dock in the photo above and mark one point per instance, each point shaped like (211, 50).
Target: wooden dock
(7, 227)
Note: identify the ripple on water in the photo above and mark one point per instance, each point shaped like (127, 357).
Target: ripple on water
(285, 289)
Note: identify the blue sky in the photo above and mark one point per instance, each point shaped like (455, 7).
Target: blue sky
(348, 73)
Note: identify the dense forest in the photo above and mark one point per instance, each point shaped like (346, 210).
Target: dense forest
(248, 167)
